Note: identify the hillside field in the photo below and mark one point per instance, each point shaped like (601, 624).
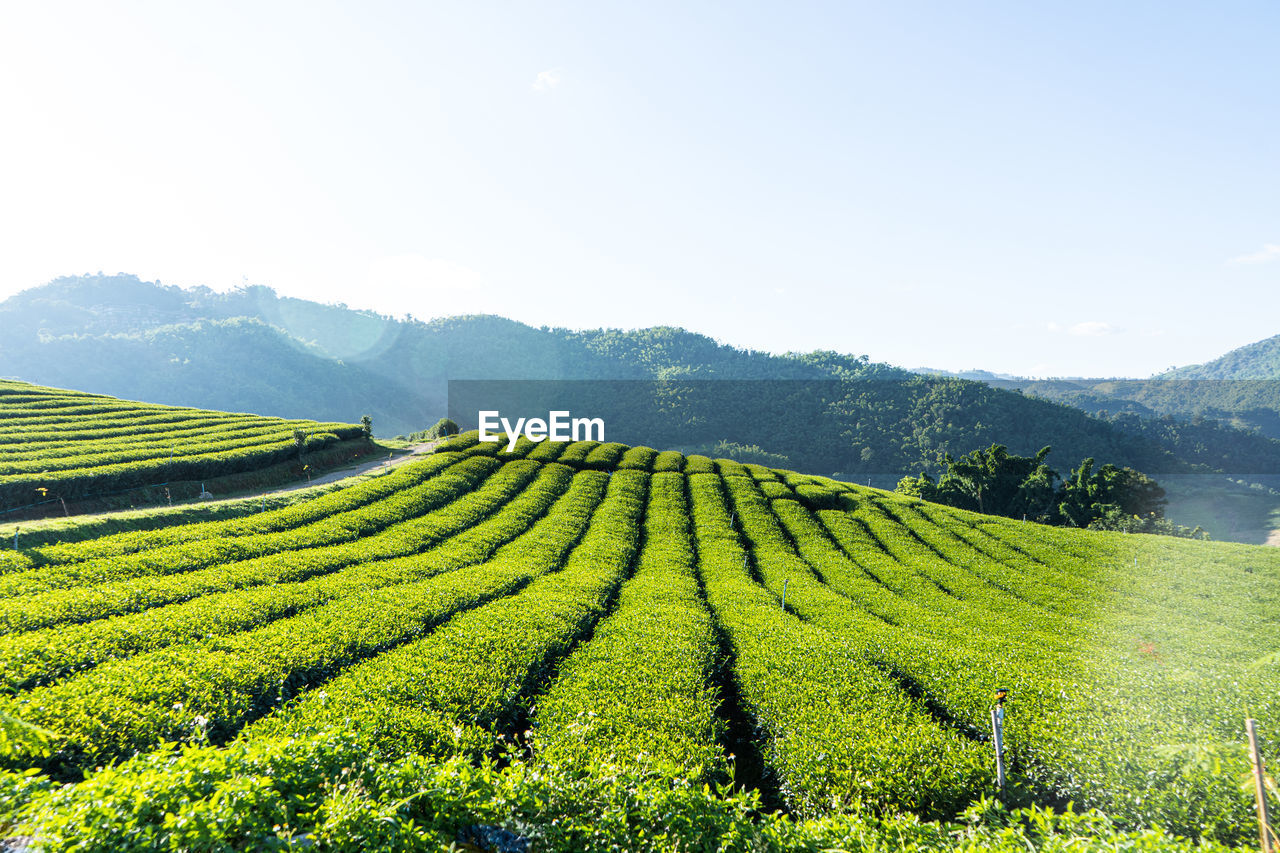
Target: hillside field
(585, 646)
(58, 445)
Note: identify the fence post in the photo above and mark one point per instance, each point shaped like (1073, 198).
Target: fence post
(1259, 786)
(997, 735)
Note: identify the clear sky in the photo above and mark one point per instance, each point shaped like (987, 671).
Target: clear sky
(1035, 188)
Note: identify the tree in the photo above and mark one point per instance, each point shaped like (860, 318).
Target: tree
(992, 481)
(444, 427)
(1110, 492)
(366, 424)
(996, 482)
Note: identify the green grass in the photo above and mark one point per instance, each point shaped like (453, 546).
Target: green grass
(586, 645)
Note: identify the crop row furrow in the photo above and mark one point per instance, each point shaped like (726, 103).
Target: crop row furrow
(82, 604)
(640, 697)
(395, 509)
(37, 658)
(845, 576)
(134, 447)
(287, 518)
(837, 733)
(455, 689)
(213, 687)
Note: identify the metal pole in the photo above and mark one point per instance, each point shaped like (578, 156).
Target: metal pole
(997, 732)
(784, 593)
(1259, 786)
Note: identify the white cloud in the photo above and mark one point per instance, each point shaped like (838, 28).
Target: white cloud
(1269, 252)
(547, 80)
(1092, 329)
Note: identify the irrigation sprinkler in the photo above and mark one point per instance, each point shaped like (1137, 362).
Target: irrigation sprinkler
(997, 734)
(1265, 835)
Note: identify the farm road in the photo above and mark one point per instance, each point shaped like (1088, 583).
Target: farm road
(414, 451)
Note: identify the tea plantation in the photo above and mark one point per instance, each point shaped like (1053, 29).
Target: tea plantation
(585, 646)
(67, 445)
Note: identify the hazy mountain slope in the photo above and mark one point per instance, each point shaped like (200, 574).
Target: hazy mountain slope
(1260, 360)
(253, 350)
(238, 365)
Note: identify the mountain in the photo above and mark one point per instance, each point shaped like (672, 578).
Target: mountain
(1260, 360)
(253, 350)
(125, 338)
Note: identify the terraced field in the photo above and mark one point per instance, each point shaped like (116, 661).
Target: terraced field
(69, 445)
(584, 646)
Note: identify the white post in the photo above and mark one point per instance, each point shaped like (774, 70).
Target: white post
(15, 537)
(997, 732)
(1259, 787)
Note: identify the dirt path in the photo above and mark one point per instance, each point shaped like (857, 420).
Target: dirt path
(1273, 539)
(413, 452)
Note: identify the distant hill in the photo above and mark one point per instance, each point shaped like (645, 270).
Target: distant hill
(253, 350)
(1260, 360)
(119, 336)
(976, 375)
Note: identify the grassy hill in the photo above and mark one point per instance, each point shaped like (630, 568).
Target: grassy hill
(607, 623)
(60, 446)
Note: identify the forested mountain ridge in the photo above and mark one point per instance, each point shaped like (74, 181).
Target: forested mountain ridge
(1258, 360)
(253, 350)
